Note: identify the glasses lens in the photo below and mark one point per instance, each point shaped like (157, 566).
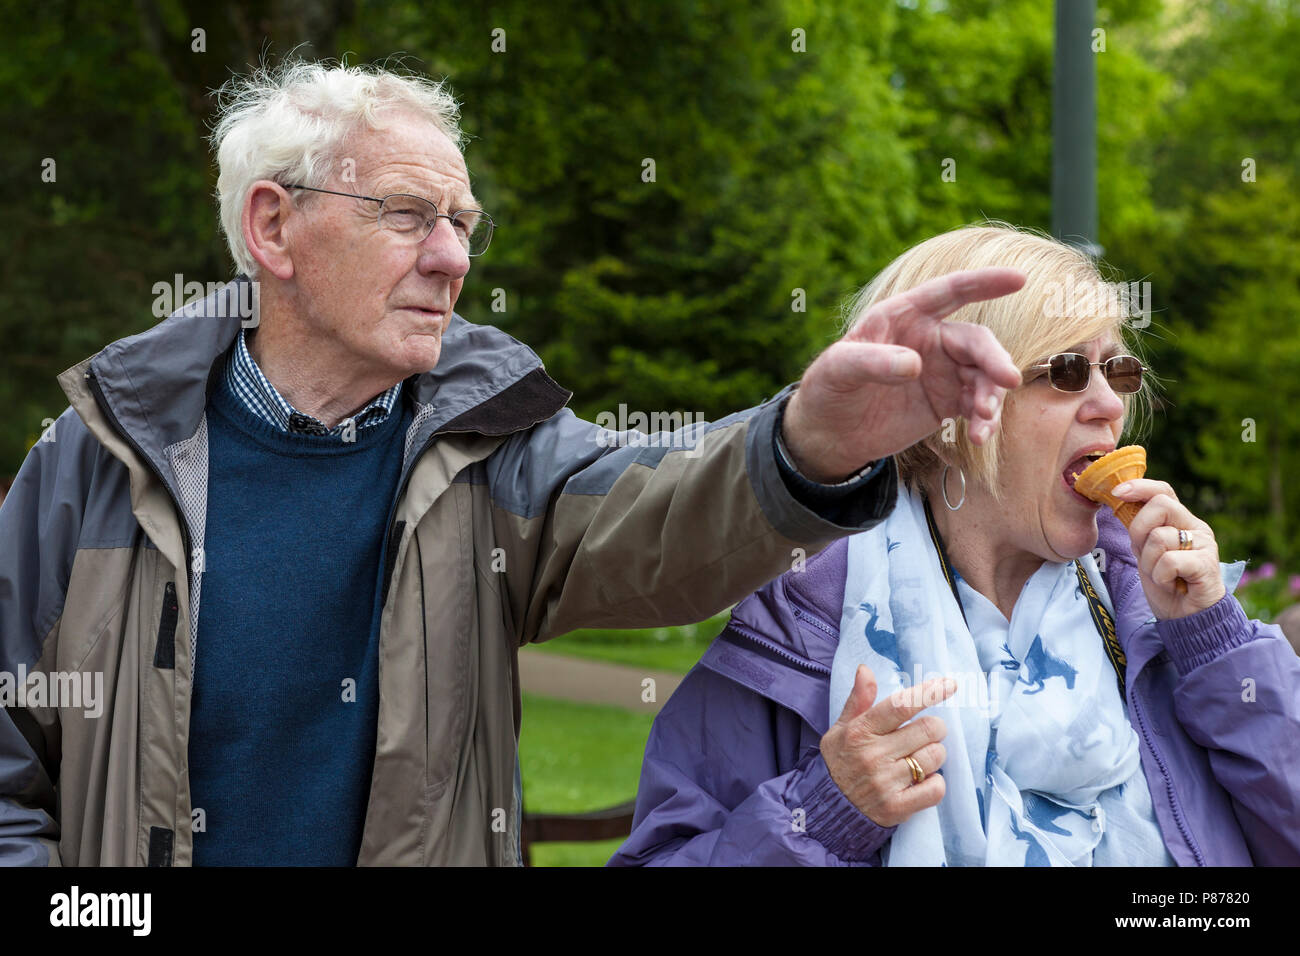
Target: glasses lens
(407, 215)
(1069, 371)
(474, 229)
(1124, 372)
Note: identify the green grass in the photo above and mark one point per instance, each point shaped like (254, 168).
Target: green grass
(674, 649)
(578, 757)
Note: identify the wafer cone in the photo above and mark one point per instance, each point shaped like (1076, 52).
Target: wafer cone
(1121, 465)
(1109, 471)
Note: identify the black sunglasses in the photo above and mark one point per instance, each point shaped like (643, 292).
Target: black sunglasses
(1071, 372)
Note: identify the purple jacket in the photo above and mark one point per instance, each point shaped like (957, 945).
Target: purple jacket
(733, 756)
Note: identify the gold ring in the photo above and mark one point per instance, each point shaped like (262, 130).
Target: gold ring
(917, 773)
(1184, 540)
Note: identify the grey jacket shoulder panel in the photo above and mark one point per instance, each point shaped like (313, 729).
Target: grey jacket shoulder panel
(156, 383)
(44, 521)
(525, 471)
(69, 494)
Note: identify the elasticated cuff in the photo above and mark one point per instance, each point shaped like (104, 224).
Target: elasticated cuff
(831, 819)
(1201, 637)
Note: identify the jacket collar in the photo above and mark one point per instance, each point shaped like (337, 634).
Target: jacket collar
(154, 386)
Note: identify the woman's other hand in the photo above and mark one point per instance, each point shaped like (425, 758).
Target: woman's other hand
(1160, 559)
(866, 748)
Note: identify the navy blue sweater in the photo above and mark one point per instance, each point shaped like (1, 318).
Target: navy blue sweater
(285, 704)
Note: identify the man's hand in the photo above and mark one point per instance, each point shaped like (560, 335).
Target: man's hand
(897, 374)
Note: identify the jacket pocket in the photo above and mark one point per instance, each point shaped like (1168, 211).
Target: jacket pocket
(164, 655)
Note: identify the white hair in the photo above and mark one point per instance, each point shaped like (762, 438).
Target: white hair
(288, 124)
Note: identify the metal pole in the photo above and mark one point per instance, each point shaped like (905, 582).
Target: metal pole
(1074, 127)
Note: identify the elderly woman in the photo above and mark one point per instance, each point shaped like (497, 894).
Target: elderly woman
(999, 673)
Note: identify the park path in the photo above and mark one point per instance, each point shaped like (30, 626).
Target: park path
(595, 682)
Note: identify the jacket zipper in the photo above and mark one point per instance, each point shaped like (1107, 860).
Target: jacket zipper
(1116, 600)
(406, 479)
(1169, 783)
(746, 632)
(812, 619)
(392, 515)
(401, 490)
(98, 393)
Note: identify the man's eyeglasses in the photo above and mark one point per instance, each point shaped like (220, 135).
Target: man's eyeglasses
(1072, 372)
(413, 218)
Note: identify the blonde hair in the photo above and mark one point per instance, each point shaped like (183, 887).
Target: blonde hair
(1065, 301)
(288, 124)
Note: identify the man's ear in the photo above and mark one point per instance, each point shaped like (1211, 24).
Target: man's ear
(266, 210)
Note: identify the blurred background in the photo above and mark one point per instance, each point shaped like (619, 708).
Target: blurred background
(797, 148)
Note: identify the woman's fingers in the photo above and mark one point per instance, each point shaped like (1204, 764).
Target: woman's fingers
(862, 696)
(1162, 509)
(1162, 557)
(1159, 542)
(1199, 570)
(1143, 489)
(911, 800)
(916, 735)
(864, 749)
(902, 705)
(1194, 567)
(930, 757)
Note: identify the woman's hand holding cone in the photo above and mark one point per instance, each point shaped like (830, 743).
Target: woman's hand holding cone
(1160, 560)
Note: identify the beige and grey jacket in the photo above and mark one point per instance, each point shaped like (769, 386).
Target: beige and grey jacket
(515, 521)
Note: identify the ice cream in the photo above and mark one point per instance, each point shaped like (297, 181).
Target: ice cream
(1103, 475)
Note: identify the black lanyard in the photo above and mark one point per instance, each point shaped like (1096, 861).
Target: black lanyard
(1100, 616)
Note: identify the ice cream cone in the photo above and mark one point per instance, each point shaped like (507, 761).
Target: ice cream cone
(1121, 465)
(1103, 475)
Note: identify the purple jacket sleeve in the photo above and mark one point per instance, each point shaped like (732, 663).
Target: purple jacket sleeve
(726, 782)
(1238, 696)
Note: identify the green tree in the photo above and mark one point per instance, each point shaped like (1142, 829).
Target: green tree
(1244, 367)
(1223, 160)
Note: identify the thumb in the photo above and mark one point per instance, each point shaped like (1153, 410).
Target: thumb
(852, 364)
(862, 696)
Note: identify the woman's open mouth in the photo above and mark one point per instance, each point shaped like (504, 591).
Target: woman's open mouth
(1073, 470)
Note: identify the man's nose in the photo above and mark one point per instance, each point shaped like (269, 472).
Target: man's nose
(442, 251)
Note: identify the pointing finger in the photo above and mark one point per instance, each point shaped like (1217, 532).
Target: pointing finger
(944, 295)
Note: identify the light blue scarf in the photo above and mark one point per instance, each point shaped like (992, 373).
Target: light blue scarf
(1043, 767)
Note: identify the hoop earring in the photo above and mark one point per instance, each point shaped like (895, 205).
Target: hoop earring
(943, 485)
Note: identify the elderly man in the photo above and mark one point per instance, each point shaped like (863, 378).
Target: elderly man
(303, 550)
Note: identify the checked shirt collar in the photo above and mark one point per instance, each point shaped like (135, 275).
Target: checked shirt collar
(260, 397)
